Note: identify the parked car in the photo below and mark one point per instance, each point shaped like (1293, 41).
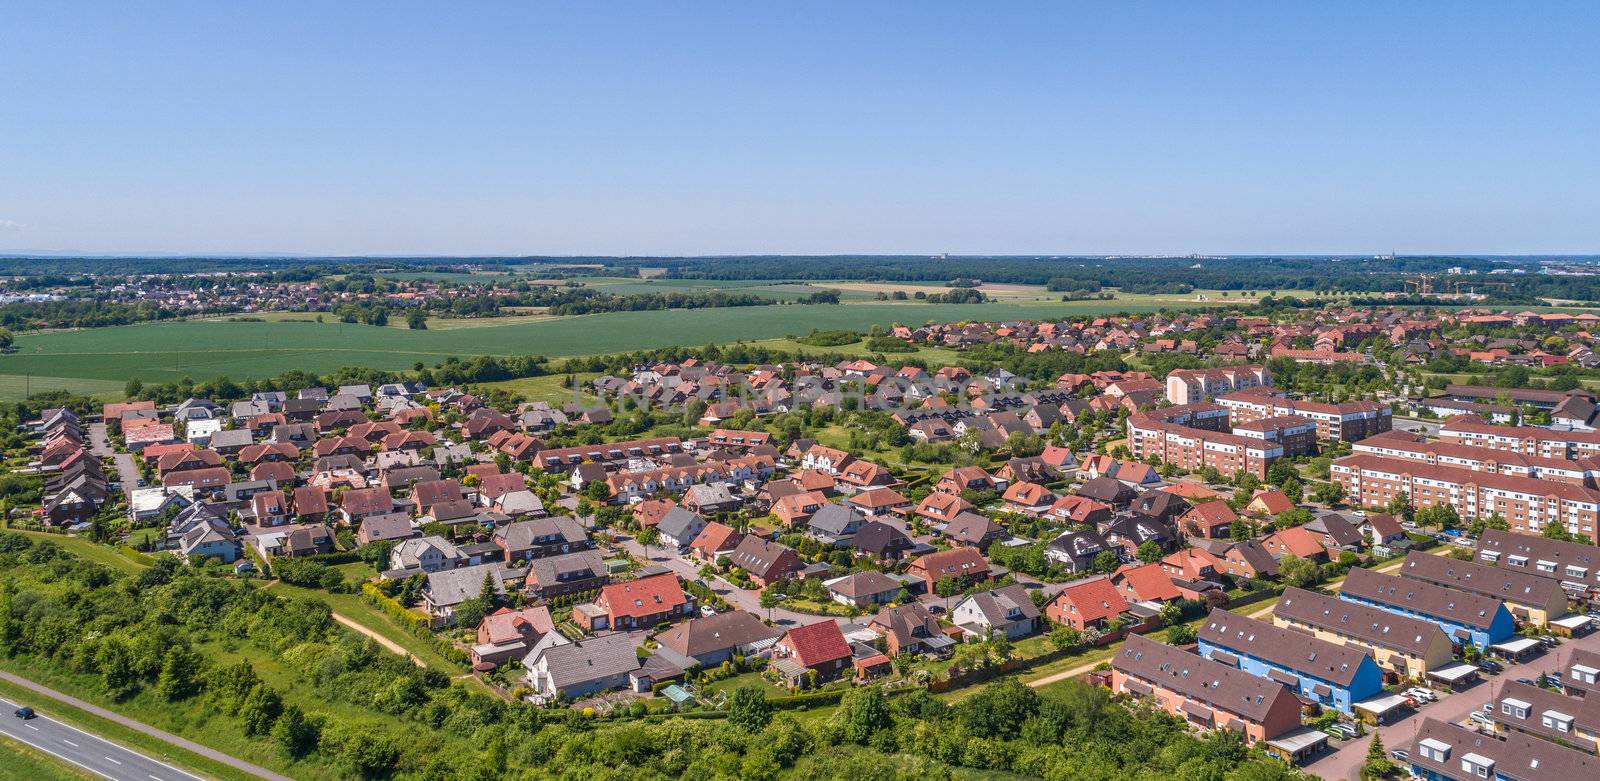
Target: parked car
(1491, 666)
(1549, 642)
(1401, 754)
(1528, 681)
(1482, 718)
(1420, 693)
(24, 713)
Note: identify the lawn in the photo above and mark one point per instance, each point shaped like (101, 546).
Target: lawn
(19, 762)
(356, 608)
(547, 388)
(161, 352)
(128, 561)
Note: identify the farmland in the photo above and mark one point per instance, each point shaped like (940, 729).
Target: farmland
(99, 361)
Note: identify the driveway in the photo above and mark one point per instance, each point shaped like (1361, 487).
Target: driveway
(741, 599)
(1345, 763)
(127, 470)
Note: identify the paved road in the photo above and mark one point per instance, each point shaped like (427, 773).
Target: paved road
(86, 751)
(741, 599)
(101, 756)
(127, 470)
(1345, 763)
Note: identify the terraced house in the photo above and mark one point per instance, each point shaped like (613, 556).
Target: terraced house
(1576, 566)
(1407, 647)
(1467, 618)
(1206, 694)
(1532, 599)
(1327, 673)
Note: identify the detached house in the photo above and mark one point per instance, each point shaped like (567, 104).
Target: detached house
(1007, 610)
(637, 604)
(818, 647)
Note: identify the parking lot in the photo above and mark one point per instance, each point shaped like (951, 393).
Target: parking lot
(1343, 762)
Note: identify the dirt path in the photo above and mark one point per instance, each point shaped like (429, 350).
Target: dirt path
(379, 639)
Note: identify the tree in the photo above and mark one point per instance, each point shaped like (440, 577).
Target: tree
(1328, 493)
(748, 709)
(294, 732)
(1400, 507)
(260, 710)
(1149, 551)
(1106, 561)
(1377, 764)
(947, 586)
(862, 713)
(1297, 572)
(180, 673)
(1293, 489)
(1180, 634)
(417, 319)
(7, 339)
(1066, 638)
(1479, 524)
(115, 660)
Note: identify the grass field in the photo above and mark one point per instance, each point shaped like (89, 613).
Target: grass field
(18, 762)
(99, 361)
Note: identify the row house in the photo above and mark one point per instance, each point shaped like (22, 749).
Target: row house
(1327, 673)
(1348, 421)
(1204, 693)
(1467, 617)
(1532, 598)
(1575, 565)
(563, 458)
(1192, 449)
(1406, 647)
(1525, 709)
(1443, 751)
(1527, 504)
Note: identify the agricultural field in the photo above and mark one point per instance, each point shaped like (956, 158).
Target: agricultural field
(99, 361)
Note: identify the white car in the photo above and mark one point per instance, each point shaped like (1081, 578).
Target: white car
(1417, 692)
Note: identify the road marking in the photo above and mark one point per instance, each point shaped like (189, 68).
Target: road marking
(157, 778)
(117, 761)
(30, 726)
(68, 742)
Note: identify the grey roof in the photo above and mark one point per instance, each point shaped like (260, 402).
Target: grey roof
(541, 531)
(232, 437)
(1421, 597)
(865, 583)
(590, 659)
(1363, 623)
(970, 527)
(454, 586)
(681, 524)
(1510, 585)
(1198, 678)
(1282, 647)
(1519, 756)
(568, 566)
(997, 604)
(836, 520)
(1338, 528)
(699, 636)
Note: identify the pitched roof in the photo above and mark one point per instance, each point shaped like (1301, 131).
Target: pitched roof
(720, 632)
(1095, 599)
(643, 597)
(1198, 678)
(817, 643)
(1366, 624)
(1282, 647)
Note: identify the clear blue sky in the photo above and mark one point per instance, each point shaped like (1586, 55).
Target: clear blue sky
(681, 128)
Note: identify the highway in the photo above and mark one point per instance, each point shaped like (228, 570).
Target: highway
(88, 752)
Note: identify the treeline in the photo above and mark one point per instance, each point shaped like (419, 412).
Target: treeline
(604, 302)
(170, 638)
(85, 313)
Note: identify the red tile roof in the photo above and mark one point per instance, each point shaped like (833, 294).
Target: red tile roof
(818, 643)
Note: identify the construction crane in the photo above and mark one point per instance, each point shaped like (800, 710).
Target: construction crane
(1421, 284)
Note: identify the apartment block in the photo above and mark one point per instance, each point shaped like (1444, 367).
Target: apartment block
(1188, 386)
(1348, 421)
(1400, 444)
(1192, 449)
(1527, 504)
(1526, 440)
(1297, 435)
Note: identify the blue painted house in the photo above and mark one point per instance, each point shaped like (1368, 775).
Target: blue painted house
(1466, 617)
(1332, 675)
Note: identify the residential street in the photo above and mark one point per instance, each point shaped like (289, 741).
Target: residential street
(98, 755)
(1345, 763)
(741, 599)
(127, 470)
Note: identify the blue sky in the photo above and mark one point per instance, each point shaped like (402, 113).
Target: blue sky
(684, 128)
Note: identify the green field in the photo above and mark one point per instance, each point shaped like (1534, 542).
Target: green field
(22, 763)
(99, 361)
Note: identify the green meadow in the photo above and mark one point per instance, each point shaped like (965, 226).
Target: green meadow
(99, 361)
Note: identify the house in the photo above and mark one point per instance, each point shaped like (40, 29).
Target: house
(881, 541)
(1407, 647)
(911, 629)
(1162, 506)
(1077, 550)
(290, 542)
(1466, 617)
(715, 639)
(880, 502)
(818, 648)
(1028, 499)
(1551, 716)
(637, 604)
(864, 588)
(1531, 598)
(941, 508)
(1321, 671)
(1192, 564)
(972, 530)
(765, 562)
(361, 503)
(1211, 520)
(1073, 508)
(394, 526)
(1204, 693)
(964, 478)
(796, 509)
(715, 541)
(1335, 532)
(1269, 502)
(1381, 529)
(1443, 751)
(1007, 610)
(429, 554)
(1087, 604)
(834, 523)
(540, 537)
(1145, 583)
(563, 669)
(649, 512)
(310, 504)
(210, 541)
(1107, 490)
(1295, 541)
(446, 589)
(710, 498)
(270, 508)
(965, 566)
(567, 573)
(679, 527)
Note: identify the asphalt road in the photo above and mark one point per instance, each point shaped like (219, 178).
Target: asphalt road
(86, 751)
(127, 470)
